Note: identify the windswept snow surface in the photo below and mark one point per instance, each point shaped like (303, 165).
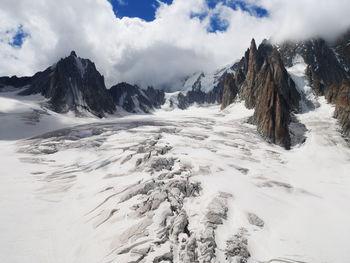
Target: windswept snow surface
(133, 189)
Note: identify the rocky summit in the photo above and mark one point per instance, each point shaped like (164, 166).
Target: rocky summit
(262, 81)
(72, 84)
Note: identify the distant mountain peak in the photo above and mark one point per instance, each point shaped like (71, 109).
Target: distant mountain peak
(73, 54)
(133, 99)
(72, 84)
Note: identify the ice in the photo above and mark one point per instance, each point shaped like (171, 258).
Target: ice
(170, 101)
(297, 73)
(170, 186)
(81, 65)
(136, 103)
(191, 80)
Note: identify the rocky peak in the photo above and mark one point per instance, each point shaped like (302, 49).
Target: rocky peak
(264, 84)
(73, 84)
(252, 49)
(230, 91)
(276, 98)
(73, 54)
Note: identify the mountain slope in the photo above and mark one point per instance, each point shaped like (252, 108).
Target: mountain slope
(262, 81)
(327, 70)
(203, 88)
(136, 100)
(72, 84)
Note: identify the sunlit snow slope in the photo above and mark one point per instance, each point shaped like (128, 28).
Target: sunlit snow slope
(198, 185)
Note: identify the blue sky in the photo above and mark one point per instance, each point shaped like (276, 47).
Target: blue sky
(145, 9)
(254, 10)
(18, 38)
(209, 35)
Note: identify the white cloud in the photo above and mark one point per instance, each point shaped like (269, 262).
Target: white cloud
(300, 19)
(156, 52)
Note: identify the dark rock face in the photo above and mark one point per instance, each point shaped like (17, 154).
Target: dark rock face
(14, 81)
(72, 84)
(323, 67)
(248, 89)
(134, 99)
(157, 97)
(230, 91)
(182, 101)
(199, 97)
(262, 81)
(342, 49)
(342, 109)
(272, 110)
(328, 71)
(273, 94)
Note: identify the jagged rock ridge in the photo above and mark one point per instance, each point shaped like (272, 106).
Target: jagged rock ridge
(14, 81)
(262, 81)
(134, 99)
(72, 84)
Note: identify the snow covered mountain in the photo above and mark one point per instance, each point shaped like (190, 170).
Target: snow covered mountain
(202, 88)
(206, 82)
(206, 184)
(327, 71)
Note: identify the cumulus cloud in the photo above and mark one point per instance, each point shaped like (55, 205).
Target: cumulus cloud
(302, 19)
(176, 43)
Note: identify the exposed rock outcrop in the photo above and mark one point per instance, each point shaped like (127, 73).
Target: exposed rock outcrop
(230, 91)
(323, 68)
(134, 99)
(262, 81)
(14, 81)
(342, 109)
(72, 84)
(249, 87)
(275, 97)
(236, 247)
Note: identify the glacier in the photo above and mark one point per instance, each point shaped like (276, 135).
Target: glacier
(195, 185)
